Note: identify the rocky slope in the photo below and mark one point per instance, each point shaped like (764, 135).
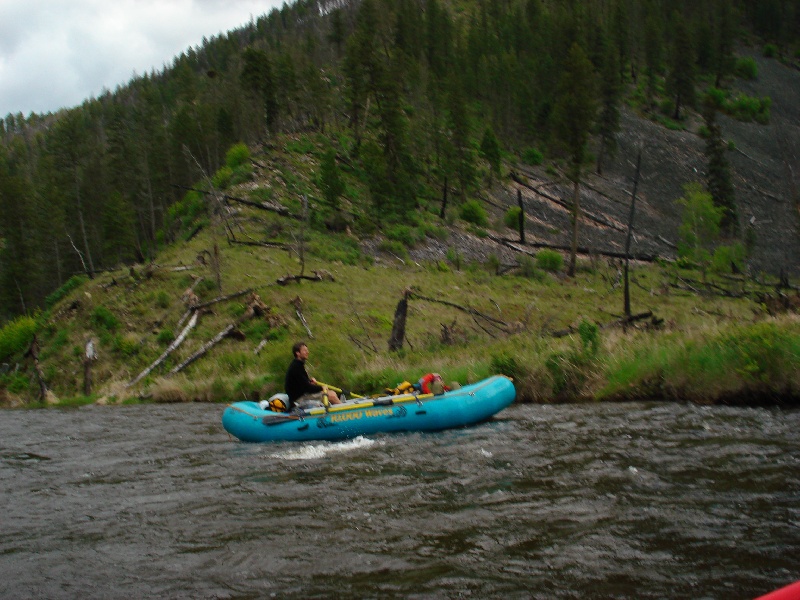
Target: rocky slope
(764, 162)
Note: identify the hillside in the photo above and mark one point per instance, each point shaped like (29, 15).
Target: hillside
(479, 306)
(289, 180)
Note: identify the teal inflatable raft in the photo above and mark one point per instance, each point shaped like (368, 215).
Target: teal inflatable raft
(409, 412)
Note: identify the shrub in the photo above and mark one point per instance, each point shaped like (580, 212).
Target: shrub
(533, 156)
(126, 345)
(237, 155)
(473, 212)
(16, 336)
(393, 247)
(436, 232)
(504, 364)
(511, 218)
(770, 51)
(162, 299)
(222, 178)
(746, 68)
(716, 97)
(188, 208)
(404, 234)
(102, 318)
(590, 337)
(549, 260)
(527, 268)
(726, 256)
(454, 258)
(748, 108)
(334, 248)
(72, 283)
(165, 337)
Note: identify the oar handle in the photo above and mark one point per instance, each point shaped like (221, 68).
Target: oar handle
(336, 389)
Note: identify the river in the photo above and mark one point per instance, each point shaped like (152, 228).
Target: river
(637, 500)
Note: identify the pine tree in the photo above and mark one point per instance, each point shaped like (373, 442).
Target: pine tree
(608, 121)
(490, 151)
(574, 117)
(681, 76)
(330, 179)
(718, 176)
(257, 76)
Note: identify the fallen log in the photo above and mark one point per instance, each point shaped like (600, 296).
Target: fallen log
(229, 330)
(514, 245)
(471, 311)
(276, 208)
(222, 299)
(317, 276)
(297, 302)
(590, 216)
(171, 348)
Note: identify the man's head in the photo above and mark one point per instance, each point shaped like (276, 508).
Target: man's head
(300, 350)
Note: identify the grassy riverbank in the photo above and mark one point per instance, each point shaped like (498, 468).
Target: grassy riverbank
(559, 338)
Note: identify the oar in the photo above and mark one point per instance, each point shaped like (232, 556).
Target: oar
(275, 419)
(337, 390)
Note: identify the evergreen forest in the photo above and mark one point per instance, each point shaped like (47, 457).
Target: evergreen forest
(410, 93)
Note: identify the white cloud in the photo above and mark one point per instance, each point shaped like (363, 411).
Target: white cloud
(57, 53)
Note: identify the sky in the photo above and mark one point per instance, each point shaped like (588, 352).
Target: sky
(57, 53)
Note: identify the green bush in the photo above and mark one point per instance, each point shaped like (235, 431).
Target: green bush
(746, 68)
(527, 268)
(726, 256)
(748, 108)
(102, 318)
(165, 337)
(393, 247)
(16, 383)
(222, 178)
(533, 156)
(162, 299)
(237, 155)
(187, 209)
(503, 364)
(549, 260)
(16, 336)
(590, 337)
(336, 248)
(436, 232)
(126, 346)
(404, 234)
(770, 51)
(717, 98)
(71, 283)
(511, 218)
(473, 212)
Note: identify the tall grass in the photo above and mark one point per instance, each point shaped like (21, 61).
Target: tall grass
(753, 360)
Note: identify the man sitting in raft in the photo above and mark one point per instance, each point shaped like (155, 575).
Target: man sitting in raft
(304, 391)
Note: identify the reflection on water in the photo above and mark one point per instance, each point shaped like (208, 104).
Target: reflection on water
(621, 501)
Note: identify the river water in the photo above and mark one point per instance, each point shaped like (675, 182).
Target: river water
(642, 500)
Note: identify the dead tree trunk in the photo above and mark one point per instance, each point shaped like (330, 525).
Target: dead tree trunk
(177, 342)
(205, 348)
(33, 351)
(399, 325)
(298, 303)
(88, 358)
